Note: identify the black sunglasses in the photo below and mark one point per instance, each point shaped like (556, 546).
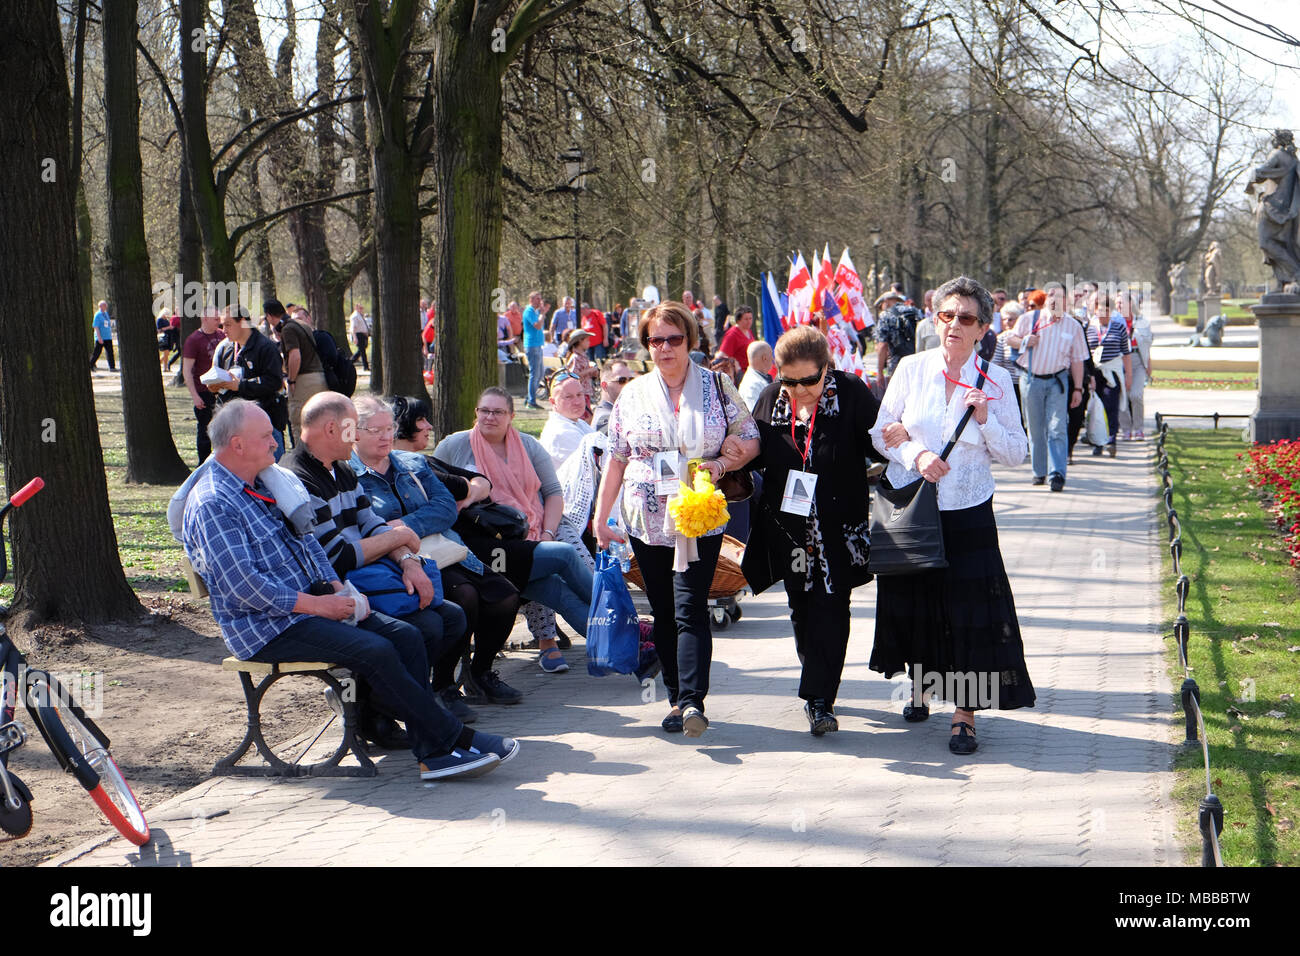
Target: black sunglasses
(807, 382)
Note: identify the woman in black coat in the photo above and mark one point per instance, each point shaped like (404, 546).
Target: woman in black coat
(811, 522)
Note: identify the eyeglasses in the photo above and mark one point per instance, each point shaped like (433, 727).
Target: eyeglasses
(492, 412)
(389, 430)
(965, 318)
(563, 377)
(659, 341)
(808, 382)
(624, 379)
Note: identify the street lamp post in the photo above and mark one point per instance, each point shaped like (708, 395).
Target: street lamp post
(875, 259)
(576, 180)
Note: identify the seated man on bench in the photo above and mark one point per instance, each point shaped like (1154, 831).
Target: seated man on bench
(353, 536)
(277, 599)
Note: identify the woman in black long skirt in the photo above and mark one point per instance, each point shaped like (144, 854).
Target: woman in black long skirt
(954, 627)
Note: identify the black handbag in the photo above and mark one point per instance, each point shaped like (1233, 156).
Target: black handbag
(734, 485)
(493, 520)
(906, 532)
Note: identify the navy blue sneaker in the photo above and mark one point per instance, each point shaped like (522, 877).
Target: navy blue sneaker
(459, 763)
(503, 748)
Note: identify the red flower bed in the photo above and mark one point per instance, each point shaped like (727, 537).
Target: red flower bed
(1275, 470)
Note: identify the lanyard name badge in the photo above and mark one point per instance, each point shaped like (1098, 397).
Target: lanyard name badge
(667, 467)
(800, 486)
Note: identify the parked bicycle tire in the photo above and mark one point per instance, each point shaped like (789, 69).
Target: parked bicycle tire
(82, 750)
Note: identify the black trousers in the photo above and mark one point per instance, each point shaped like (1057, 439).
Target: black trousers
(363, 339)
(821, 638)
(680, 602)
(202, 444)
(106, 348)
(489, 623)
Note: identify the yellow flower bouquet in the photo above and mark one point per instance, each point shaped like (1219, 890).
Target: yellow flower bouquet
(699, 510)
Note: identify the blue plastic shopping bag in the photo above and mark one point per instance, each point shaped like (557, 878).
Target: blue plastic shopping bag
(613, 628)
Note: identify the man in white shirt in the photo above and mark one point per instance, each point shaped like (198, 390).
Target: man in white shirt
(565, 427)
(359, 327)
(756, 377)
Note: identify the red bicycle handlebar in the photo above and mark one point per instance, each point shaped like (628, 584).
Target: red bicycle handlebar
(26, 491)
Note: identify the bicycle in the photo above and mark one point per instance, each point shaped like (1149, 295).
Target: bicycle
(80, 746)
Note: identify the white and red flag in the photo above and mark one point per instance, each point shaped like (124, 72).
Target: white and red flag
(850, 293)
(799, 290)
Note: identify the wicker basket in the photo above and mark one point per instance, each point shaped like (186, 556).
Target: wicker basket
(727, 579)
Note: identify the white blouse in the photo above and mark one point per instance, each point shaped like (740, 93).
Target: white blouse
(916, 398)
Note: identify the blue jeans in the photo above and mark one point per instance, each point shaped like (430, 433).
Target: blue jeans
(279, 443)
(534, 373)
(446, 633)
(389, 656)
(1047, 410)
(561, 581)
(680, 602)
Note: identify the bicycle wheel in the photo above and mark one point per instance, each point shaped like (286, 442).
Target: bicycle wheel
(82, 749)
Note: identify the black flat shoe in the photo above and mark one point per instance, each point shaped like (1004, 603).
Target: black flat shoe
(384, 733)
(673, 722)
(914, 715)
(562, 640)
(821, 719)
(962, 743)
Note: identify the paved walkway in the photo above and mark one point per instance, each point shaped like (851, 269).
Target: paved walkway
(1081, 779)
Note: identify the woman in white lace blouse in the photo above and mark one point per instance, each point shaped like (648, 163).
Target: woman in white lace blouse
(954, 627)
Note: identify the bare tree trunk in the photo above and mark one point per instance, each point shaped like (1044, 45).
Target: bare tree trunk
(209, 204)
(189, 250)
(151, 455)
(47, 409)
(261, 241)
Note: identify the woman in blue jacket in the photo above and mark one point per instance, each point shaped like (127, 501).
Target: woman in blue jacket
(403, 489)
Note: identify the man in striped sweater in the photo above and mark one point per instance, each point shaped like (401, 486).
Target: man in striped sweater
(352, 535)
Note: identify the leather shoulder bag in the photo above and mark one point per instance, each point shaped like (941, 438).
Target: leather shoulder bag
(906, 533)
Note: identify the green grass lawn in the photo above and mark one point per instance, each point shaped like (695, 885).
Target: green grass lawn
(1234, 310)
(1206, 381)
(1244, 653)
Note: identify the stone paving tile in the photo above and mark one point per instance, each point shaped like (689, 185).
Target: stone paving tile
(1081, 779)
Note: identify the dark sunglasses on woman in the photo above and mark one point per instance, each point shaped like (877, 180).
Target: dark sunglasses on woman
(807, 382)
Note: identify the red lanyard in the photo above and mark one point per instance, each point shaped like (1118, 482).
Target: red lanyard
(807, 448)
(1050, 322)
(987, 380)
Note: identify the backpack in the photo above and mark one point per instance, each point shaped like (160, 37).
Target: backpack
(340, 373)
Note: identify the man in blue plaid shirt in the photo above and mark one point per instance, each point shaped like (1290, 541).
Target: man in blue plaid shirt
(277, 599)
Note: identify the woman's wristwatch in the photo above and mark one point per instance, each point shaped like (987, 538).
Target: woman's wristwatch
(550, 532)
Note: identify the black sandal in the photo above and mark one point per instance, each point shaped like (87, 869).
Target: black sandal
(963, 743)
(914, 715)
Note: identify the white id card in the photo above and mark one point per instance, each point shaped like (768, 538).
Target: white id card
(667, 467)
(797, 499)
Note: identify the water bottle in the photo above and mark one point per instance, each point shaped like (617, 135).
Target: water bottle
(621, 550)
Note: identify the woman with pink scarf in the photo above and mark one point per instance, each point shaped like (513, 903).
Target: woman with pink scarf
(548, 573)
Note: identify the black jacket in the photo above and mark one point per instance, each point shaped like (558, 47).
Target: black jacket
(841, 448)
(262, 380)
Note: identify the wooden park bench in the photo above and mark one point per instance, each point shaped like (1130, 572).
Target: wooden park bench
(339, 684)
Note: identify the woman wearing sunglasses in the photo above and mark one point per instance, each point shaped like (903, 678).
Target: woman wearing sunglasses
(678, 413)
(811, 527)
(955, 627)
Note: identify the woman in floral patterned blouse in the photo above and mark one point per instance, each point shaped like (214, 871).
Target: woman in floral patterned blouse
(661, 421)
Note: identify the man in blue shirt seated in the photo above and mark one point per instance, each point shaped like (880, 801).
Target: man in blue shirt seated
(276, 598)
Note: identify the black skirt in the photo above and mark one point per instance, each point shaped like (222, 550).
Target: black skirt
(958, 624)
